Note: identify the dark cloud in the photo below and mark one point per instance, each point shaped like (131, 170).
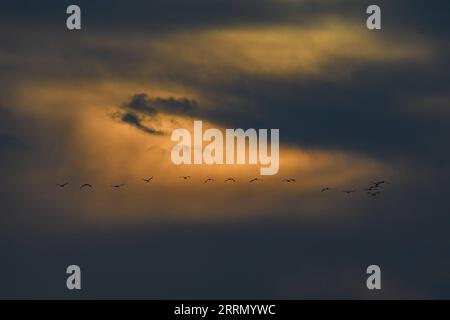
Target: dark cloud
(14, 143)
(151, 106)
(134, 120)
(141, 108)
(292, 257)
(157, 15)
(175, 106)
(368, 111)
(140, 103)
(428, 17)
(7, 141)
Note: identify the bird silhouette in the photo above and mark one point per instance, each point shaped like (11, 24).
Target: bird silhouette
(209, 180)
(230, 179)
(348, 191)
(117, 186)
(185, 177)
(148, 180)
(325, 189)
(256, 179)
(86, 185)
(62, 185)
(288, 180)
(378, 184)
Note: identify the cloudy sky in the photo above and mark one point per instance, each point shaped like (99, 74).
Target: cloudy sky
(98, 106)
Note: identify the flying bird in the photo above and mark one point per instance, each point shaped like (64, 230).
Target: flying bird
(62, 185)
(256, 179)
(230, 179)
(185, 177)
(86, 185)
(209, 180)
(348, 191)
(379, 183)
(288, 180)
(325, 189)
(148, 180)
(118, 186)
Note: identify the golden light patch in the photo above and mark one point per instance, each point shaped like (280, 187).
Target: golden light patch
(106, 152)
(283, 50)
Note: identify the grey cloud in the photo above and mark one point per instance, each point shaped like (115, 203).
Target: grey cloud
(157, 16)
(151, 106)
(7, 141)
(329, 261)
(141, 107)
(140, 103)
(176, 106)
(134, 120)
(366, 112)
(429, 17)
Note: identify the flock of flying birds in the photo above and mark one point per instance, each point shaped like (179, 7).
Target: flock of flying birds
(373, 190)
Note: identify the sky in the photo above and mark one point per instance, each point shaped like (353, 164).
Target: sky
(98, 106)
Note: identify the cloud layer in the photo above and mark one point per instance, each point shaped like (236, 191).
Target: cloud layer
(352, 106)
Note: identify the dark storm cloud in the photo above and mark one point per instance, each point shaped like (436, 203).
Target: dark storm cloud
(134, 120)
(140, 103)
(171, 14)
(175, 106)
(361, 112)
(165, 15)
(151, 106)
(368, 112)
(141, 107)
